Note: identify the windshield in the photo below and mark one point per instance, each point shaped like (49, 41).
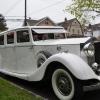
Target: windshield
(47, 36)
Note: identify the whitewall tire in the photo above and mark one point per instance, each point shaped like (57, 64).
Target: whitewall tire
(63, 84)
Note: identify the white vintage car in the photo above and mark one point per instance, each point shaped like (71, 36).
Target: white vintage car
(44, 53)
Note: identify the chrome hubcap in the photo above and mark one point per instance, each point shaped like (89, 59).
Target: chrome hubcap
(63, 84)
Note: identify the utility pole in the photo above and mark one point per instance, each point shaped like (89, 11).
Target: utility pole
(25, 20)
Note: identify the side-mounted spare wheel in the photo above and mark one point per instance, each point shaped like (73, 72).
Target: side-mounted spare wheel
(42, 57)
(65, 86)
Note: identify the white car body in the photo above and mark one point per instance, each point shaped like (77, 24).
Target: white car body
(20, 59)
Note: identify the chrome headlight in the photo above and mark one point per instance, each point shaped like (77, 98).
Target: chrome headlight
(89, 50)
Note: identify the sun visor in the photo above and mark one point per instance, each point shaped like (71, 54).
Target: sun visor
(49, 30)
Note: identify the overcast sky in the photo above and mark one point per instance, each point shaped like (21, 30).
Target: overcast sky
(36, 9)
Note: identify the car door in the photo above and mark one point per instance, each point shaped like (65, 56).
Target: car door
(9, 57)
(2, 51)
(24, 52)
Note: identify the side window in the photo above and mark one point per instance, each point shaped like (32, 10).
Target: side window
(22, 36)
(2, 40)
(10, 38)
(59, 36)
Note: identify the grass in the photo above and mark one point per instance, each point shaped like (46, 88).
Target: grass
(9, 91)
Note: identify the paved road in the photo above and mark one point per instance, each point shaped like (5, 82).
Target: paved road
(45, 91)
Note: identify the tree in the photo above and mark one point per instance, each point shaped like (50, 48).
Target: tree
(84, 10)
(3, 25)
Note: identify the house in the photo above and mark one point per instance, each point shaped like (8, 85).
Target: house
(46, 21)
(96, 31)
(73, 27)
(93, 30)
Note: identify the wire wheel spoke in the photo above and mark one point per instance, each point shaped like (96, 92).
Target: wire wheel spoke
(63, 84)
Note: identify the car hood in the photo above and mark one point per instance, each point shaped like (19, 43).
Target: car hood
(63, 41)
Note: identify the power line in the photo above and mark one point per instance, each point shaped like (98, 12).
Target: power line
(15, 20)
(21, 18)
(13, 6)
(14, 16)
(44, 8)
(37, 11)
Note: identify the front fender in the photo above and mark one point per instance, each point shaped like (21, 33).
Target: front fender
(76, 65)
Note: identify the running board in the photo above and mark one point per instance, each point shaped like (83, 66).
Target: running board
(92, 87)
(21, 76)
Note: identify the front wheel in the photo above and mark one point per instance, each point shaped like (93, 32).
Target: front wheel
(64, 86)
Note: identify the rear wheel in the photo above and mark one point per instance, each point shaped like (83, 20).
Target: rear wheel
(65, 85)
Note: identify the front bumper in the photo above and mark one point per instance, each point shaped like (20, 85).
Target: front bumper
(94, 86)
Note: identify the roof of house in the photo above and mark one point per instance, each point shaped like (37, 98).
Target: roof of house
(94, 27)
(32, 22)
(66, 22)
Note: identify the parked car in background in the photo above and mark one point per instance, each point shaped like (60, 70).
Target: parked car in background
(44, 53)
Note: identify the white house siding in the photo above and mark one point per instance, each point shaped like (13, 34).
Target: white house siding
(96, 33)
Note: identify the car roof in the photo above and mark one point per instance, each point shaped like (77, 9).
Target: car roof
(40, 29)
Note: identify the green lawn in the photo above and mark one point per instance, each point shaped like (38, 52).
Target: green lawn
(9, 91)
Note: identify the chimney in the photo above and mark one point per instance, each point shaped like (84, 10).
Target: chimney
(65, 19)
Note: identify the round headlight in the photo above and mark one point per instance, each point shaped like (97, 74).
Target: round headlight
(89, 49)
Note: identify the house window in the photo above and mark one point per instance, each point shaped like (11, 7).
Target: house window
(23, 36)
(73, 31)
(2, 40)
(78, 31)
(69, 30)
(46, 22)
(10, 38)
